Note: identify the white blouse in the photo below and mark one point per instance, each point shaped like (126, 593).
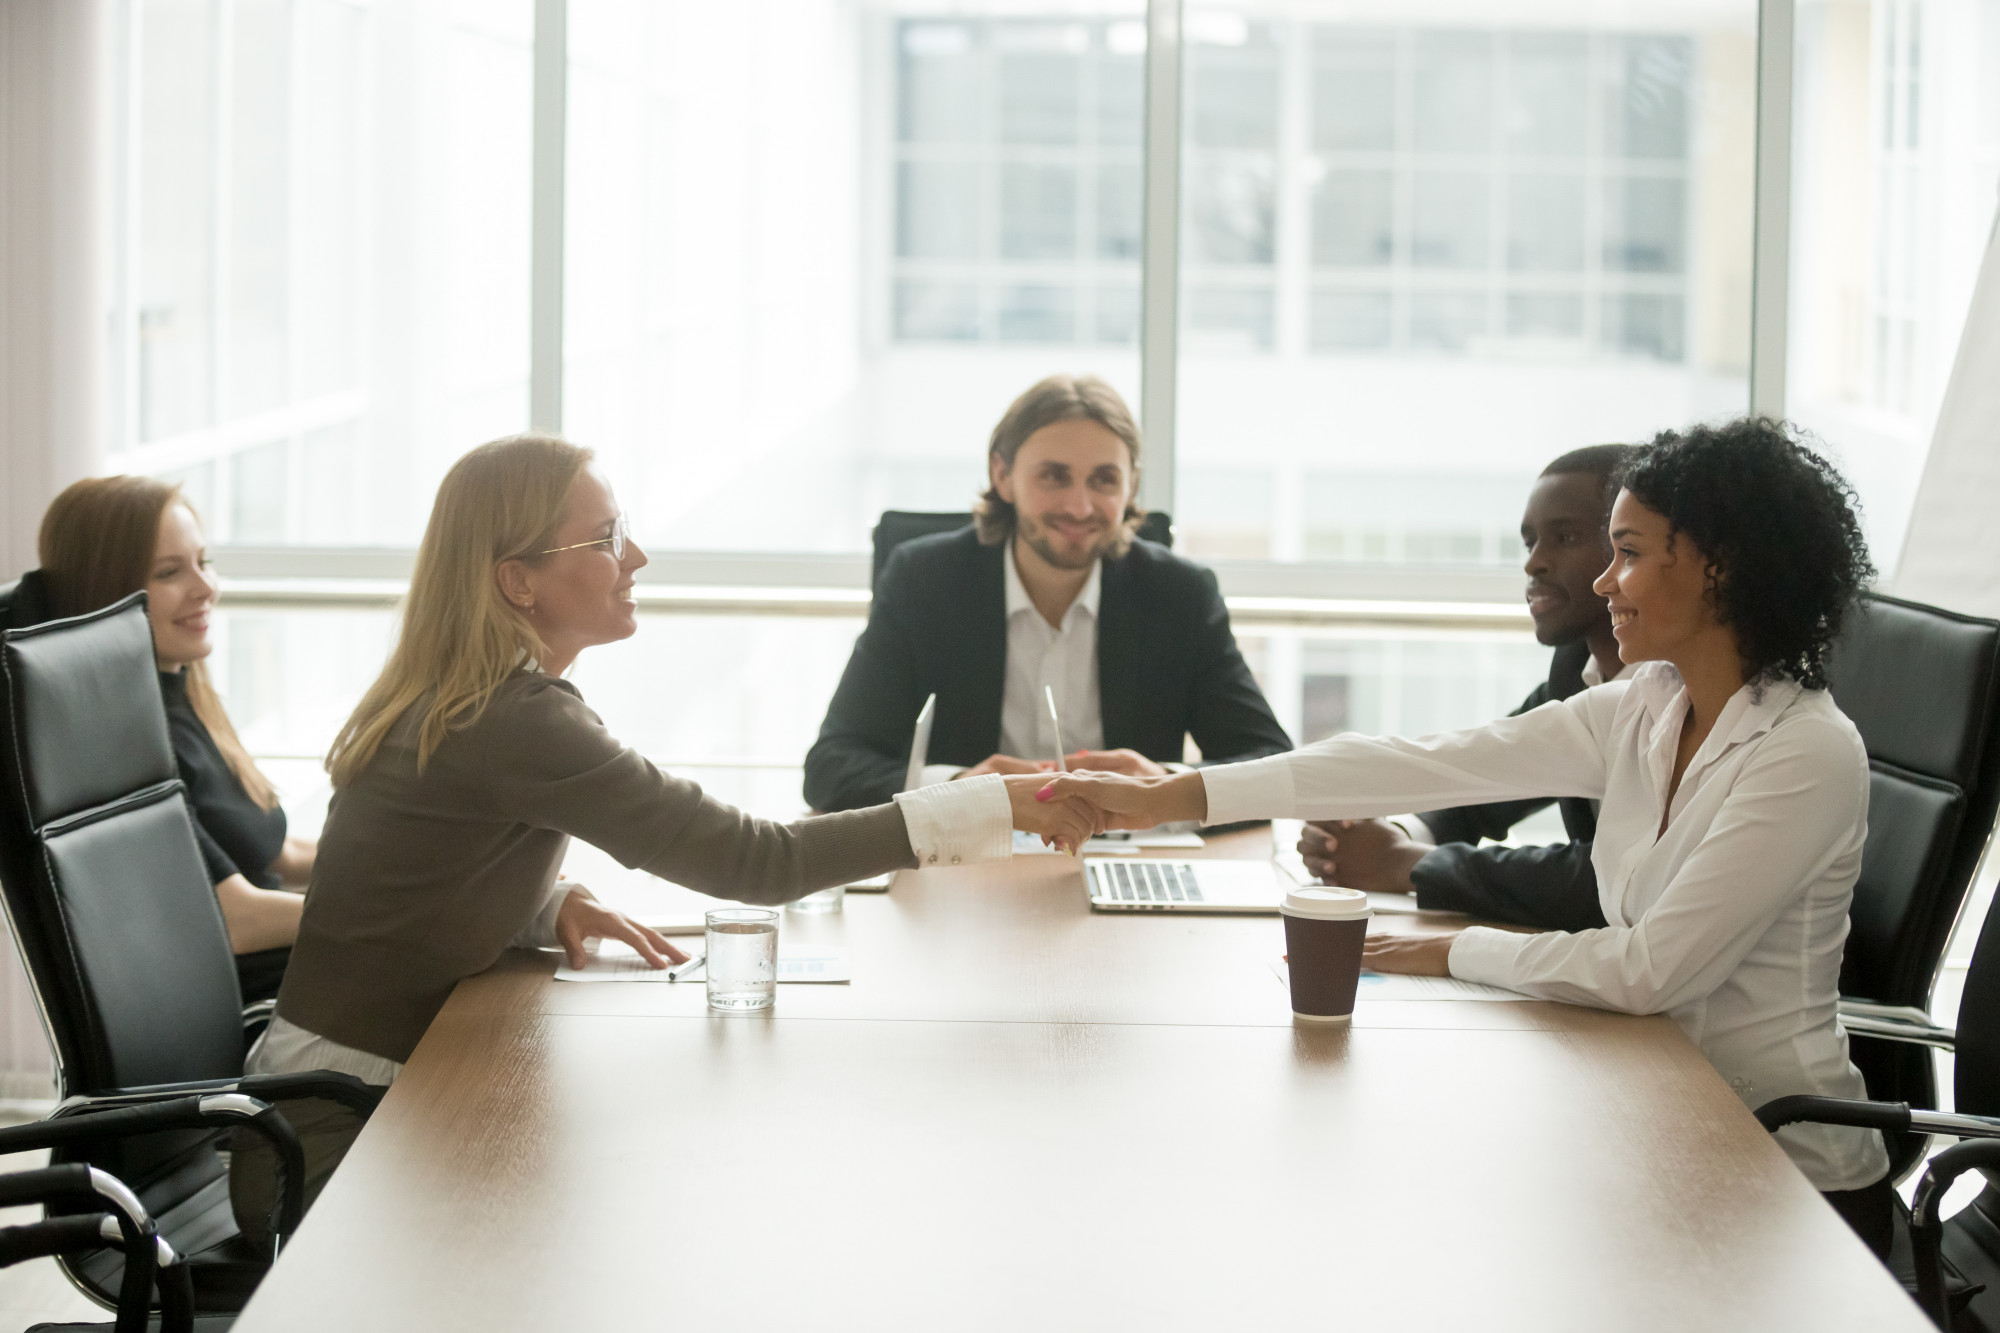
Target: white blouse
(1731, 922)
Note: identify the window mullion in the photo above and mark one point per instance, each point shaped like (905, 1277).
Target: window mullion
(1159, 319)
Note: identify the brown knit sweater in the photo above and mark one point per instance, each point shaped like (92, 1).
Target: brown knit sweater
(424, 878)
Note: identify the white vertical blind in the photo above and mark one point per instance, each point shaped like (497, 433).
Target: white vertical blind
(1951, 556)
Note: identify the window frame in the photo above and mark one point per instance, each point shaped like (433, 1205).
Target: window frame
(1162, 150)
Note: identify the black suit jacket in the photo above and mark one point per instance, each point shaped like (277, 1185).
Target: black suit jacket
(1167, 666)
(1551, 887)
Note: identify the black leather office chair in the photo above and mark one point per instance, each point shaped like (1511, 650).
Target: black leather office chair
(1923, 687)
(25, 601)
(897, 526)
(1954, 1266)
(90, 1209)
(117, 925)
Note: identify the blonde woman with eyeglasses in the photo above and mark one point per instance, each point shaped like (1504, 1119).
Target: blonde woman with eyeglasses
(471, 762)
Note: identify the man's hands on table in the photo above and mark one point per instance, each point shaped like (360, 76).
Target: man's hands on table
(1006, 765)
(1372, 855)
(1129, 762)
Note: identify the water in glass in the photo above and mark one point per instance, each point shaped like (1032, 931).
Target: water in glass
(742, 959)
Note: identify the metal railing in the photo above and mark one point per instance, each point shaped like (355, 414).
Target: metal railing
(1260, 594)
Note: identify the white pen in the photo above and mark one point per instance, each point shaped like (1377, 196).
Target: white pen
(679, 970)
(1055, 723)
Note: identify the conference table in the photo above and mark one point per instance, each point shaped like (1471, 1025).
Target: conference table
(1023, 1114)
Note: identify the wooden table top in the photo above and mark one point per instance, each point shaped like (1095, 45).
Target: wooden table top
(1021, 1113)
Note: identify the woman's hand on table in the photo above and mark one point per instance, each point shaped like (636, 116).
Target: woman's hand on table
(1060, 823)
(1414, 955)
(1132, 802)
(582, 919)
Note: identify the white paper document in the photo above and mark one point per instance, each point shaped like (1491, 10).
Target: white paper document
(1401, 986)
(614, 961)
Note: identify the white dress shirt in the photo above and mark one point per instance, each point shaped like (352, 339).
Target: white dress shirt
(1731, 921)
(1414, 827)
(964, 821)
(1062, 658)
(1593, 675)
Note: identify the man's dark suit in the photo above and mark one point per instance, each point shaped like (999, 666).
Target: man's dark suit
(1552, 887)
(1167, 666)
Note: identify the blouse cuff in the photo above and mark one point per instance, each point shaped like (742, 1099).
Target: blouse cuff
(1253, 789)
(956, 822)
(1487, 956)
(540, 932)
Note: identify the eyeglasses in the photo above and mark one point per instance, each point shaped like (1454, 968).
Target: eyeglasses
(616, 541)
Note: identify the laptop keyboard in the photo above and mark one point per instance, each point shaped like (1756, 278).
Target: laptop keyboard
(1148, 882)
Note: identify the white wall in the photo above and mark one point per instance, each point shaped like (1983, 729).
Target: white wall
(54, 122)
(54, 118)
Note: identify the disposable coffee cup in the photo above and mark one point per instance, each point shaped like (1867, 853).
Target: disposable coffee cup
(1324, 928)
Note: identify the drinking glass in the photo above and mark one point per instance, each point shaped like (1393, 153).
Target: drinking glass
(826, 900)
(742, 958)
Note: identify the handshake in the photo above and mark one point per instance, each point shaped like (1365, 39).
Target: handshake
(1065, 809)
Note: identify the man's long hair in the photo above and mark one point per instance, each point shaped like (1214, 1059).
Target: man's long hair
(1058, 398)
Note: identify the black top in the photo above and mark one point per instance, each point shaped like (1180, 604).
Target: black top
(1551, 887)
(237, 836)
(1167, 667)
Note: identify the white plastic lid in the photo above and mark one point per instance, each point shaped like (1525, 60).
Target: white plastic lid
(1328, 904)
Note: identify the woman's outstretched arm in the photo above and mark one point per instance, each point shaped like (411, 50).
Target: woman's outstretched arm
(1555, 750)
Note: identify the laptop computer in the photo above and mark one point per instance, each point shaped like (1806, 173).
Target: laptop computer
(1135, 884)
(920, 746)
(913, 778)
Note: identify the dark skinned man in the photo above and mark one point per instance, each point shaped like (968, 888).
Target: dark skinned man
(1437, 855)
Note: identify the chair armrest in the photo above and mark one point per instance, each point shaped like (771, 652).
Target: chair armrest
(83, 1120)
(257, 1015)
(69, 1184)
(68, 1234)
(1895, 1022)
(1927, 1228)
(349, 1091)
(358, 1097)
(1776, 1114)
(112, 1215)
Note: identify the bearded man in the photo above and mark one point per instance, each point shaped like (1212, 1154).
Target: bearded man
(1048, 588)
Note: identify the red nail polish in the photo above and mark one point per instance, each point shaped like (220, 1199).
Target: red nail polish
(1043, 794)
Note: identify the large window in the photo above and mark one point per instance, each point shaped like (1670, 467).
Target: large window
(1417, 262)
(814, 247)
(324, 276)
(1017, 167)
(1897, 158)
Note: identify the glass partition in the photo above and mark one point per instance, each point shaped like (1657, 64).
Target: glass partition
(1422, 256)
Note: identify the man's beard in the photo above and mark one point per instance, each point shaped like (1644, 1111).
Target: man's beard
(1038, 540)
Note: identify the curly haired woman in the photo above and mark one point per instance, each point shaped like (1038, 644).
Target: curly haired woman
(1734, 792)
